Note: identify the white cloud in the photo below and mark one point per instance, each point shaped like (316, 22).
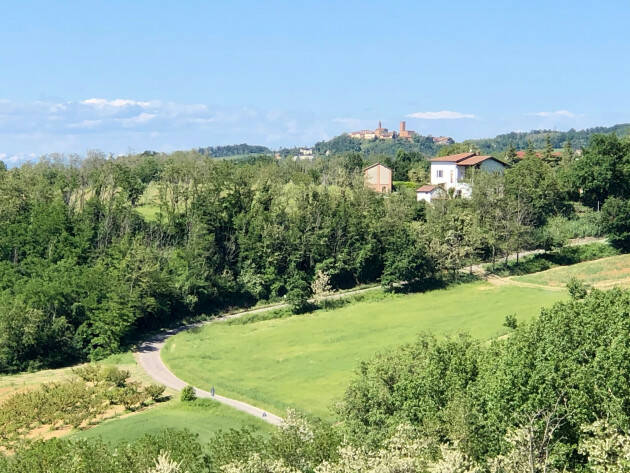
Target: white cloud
(85, 124)
(557, 113)
(443, 115)
(138, 119)
(118, 103)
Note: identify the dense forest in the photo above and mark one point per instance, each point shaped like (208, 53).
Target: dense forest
(538, 139)
(344, 144)
(233, 150)
(84, 268)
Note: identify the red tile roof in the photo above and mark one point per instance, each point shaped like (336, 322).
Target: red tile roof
(453, 158)
(476, 160)
(521, 154)
(426, 188)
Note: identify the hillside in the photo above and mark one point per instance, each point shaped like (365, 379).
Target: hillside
(343, 144)
(578, 138)
(424, 144)
(233, 150)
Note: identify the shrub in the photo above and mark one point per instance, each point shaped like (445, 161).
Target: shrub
(616, 222)
(115, 376)
(155, 391)
(298, 294)
(90, 373)
(188, 394)
(510, 321)
(577, 289)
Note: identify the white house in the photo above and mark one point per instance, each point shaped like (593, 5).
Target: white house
(449, 172)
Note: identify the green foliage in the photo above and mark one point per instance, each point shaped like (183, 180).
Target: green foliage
(89, 456)
(75, 402)
(603, 170)
(510, 321)
(566, 256)
(616, 222)
(573, 362)
(188, 394)
(155, 391)
(233, 150)
(538, 138)
(298, 294)
(577, 289)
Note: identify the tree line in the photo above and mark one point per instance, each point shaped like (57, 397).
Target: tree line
(85, 270)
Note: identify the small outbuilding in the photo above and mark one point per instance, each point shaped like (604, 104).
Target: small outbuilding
(378, 178)
(429, 192)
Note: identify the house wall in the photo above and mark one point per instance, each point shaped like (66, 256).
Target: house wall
(426, 196)
(451, 174)
(379, 179)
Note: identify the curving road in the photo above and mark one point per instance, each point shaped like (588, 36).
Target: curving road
(148, 353)
(148, 357)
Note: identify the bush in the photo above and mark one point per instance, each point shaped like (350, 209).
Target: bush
(155, 391)
(188, 394)
(510, 321)
(90, 373)
(298, 295)
(577, 289)
(616, 222)
(115, 376)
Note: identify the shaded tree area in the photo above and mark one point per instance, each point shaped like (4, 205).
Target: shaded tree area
(83, 272)
(564, 371)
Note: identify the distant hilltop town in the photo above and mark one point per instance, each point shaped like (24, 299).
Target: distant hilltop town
(381, 133)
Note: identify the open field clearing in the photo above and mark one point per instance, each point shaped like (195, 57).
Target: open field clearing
(10, 384)
(306, 361)
(203, 417)
(603, 273)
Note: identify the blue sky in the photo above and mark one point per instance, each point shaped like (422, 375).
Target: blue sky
(135, 75)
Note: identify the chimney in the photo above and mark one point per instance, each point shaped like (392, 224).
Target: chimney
(402, 126)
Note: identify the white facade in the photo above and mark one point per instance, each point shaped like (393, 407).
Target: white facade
(450, 175)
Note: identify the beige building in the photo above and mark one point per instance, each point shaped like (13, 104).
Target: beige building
(378, 178)
(404, 133)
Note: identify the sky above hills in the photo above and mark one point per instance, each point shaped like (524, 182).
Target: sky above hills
(125, 76)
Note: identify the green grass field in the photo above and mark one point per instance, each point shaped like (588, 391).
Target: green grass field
(603, 273)
(306, 361)
(203, 417)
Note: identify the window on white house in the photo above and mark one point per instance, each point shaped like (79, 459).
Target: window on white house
(439, 173)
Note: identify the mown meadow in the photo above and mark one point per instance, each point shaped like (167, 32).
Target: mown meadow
(305, 361)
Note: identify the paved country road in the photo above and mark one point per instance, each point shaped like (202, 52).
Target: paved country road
(148, 353)
(148, 357)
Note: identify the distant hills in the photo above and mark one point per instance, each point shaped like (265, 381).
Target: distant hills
(578, 138)
(234, 150)
(424, 144)
(498, 144)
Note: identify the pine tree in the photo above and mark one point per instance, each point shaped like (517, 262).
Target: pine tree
(530, 153)
(567, 153)
(548, 156)
(510, 154)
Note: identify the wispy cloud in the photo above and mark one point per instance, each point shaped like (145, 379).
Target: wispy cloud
(120, 124)
(557, 113)
(443, 115)
(118, 103)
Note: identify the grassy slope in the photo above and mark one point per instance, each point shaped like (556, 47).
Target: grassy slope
(203, 417)
(305, 361)
(10, 384)
(604, 273)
